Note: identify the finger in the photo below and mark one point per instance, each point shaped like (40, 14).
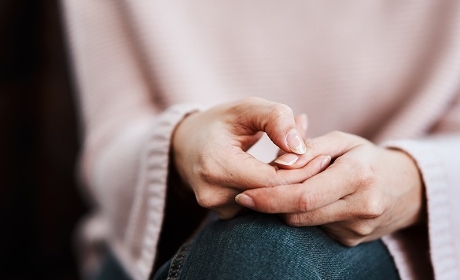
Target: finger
(341, 234)
(302, 125)
(336, 211)
(228, 211)
(333, 144)
(351, 233)
(323, 189)
(220, 200)
(357, 206)
(253, 175)
(276, 119)
(248, 141)
(286, 161)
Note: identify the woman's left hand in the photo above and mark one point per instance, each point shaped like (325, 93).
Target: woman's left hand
(367, 192)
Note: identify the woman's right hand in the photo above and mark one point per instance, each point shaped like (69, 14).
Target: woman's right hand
(209, 150)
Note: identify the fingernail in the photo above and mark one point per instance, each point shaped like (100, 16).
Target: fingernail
(304, 122)
(287, 159)
(325, 162)
(244, 200)
(295, 142)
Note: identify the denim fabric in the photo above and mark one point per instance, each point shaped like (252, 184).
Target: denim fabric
(261, 246)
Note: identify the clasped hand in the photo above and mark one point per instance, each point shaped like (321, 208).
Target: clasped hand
(365, 193)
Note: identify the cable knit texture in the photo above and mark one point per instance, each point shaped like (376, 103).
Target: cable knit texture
(385, 70)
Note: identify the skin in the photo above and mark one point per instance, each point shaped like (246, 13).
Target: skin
(209, 150)
(367, 191)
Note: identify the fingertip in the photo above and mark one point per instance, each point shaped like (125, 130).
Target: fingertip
(244, 200)
(287, 159)
(295, 142)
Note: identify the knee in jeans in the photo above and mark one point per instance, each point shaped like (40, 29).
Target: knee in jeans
(261, 246)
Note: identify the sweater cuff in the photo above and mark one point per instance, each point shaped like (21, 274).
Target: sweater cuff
(432, 159)
(147, 216)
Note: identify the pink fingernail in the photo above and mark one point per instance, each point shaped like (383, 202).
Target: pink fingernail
(287, 159)
(244, 200)
(325, 162)
(295, 142)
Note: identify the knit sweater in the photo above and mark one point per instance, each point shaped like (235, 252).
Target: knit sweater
(388, 71)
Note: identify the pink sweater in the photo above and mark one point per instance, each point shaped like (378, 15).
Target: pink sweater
(386, 70)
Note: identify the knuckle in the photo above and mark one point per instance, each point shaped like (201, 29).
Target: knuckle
(208, 199)
(343, 136)
(239, 107)
(292, 220)
(366, 173)
(363, 173)
(306, 202)
(282, 109)
(270, 206)
(203, 201)
(363, 229)
(350, 242)
(280, 112)
(206, 171)
(250, 100)
(312, 144)
(372, 208)
(205, 175)
(338, 134)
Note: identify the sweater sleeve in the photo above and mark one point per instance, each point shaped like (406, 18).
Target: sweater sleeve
(125, 153)
(438, 159)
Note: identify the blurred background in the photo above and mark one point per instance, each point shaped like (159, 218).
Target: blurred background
(39, 201)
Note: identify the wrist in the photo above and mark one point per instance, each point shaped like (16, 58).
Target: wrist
(416, 198)
(177, 186)
(180, 140)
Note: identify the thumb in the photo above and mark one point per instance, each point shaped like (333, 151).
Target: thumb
(277, 120)
(302, 126)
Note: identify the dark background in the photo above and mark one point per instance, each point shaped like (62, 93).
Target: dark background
(39, 202)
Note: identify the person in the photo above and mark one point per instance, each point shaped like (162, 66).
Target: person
(175, 97)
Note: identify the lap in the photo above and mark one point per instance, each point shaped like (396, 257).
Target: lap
(261, 246)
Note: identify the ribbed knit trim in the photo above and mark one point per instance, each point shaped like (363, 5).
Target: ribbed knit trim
(152, 189)
(432, 166)
(397, 250)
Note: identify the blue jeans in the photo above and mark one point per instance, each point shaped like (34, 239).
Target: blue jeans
(261, 246)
